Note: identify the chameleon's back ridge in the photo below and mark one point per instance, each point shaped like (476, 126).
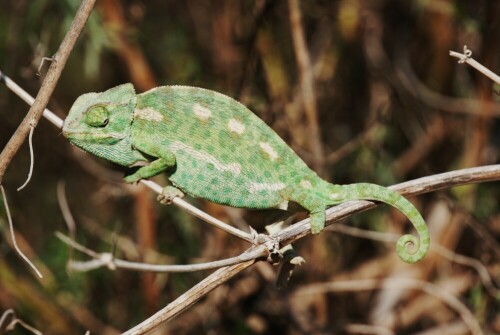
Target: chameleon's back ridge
(212, 147)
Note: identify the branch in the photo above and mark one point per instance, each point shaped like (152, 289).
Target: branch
(302, 228)
(466, 58)
(108, 260)
(48, 86)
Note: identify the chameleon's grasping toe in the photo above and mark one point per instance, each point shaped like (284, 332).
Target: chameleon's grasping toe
(213, 147)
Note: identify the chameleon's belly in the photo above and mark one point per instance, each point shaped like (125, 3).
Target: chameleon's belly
(205, 176)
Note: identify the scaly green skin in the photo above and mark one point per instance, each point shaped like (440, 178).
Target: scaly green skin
(213, 147)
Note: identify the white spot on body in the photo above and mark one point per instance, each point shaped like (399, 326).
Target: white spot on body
(305, 183)
(202, 113)
(335, 196)
(257, 187)
(236, 126)
(269, 150)
(148, 114)
(234, 168)
(283, 205)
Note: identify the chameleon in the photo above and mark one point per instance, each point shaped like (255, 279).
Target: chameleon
(213, 147)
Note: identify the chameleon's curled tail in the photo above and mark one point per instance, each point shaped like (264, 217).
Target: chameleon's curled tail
(409, 248)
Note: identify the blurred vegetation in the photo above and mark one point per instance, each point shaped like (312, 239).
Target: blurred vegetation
(389, 109)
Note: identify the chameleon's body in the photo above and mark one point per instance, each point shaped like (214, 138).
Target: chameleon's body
(213, 147)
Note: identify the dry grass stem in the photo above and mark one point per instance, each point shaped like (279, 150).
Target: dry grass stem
(13, 236)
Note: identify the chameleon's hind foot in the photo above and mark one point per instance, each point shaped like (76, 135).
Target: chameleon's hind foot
(318, 222)
(168, 194)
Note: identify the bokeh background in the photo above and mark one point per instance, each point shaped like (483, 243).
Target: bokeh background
(390, 104)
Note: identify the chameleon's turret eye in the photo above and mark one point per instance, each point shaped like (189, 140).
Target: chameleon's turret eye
(97, 116)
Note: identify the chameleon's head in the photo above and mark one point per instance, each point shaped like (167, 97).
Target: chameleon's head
(100, 123)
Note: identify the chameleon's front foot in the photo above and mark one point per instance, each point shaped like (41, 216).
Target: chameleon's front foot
(168, 194)
(133, 178)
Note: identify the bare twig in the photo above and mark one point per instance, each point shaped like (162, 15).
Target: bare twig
(410, 82)
(32, 160)
(202, 215)
(466, 57)
(106, 260)
(9, 320)
(48, 86)
(56, 120)
(13, 236)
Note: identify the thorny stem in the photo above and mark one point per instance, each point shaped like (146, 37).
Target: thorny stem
(49, 83)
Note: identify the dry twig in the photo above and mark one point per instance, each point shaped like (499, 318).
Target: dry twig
(48, 86)
(466, 57)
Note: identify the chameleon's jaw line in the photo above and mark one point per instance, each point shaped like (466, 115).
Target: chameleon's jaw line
(85, 135)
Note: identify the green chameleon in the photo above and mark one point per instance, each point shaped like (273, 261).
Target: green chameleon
(213, 147)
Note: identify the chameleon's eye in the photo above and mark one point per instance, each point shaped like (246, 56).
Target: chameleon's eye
(97, 117)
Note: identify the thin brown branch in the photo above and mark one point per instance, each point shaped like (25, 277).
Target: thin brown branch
(48, 86)
(306, 75)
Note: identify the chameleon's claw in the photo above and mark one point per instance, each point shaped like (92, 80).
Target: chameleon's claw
(168, 194)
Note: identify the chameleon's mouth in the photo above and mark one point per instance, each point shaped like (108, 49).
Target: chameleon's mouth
(87, 135)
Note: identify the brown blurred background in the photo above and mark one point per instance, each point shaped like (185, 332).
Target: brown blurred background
(363, 91)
